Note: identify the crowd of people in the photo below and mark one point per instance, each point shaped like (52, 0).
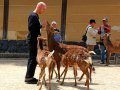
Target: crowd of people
(35, 25)
(92, 33)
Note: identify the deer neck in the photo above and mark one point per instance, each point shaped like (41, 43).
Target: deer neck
(38, 46)
(52, 44)
(107, 43)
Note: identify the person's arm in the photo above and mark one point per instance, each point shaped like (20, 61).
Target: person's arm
(109, 29)
(56, 32)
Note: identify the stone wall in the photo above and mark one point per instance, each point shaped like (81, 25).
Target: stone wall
(20, 46)
(13, 46)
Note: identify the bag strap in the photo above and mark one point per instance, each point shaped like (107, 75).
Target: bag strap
(87, 29)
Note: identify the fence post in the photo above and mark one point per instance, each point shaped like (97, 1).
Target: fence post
(5, 19)
(63, 18)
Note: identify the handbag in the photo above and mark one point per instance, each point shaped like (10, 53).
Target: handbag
(84, 38)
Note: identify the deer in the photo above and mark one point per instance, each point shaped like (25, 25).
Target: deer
(60, 48)
(111, 47)
(77, 58)
(44, 59)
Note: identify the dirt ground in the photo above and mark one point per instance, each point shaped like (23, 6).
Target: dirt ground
(12, 73)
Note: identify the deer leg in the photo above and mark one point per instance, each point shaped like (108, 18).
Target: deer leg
(81, 77)
(45, 80)
(55, 73)
(42, 79)
(62, 73)
(75, 73)
(52, 73)
(53, 66)
(41, 74)
(87, 80)
(90, 68)
(49, 70)
(108, 58)
(58, 68)
(84, 74)
(66, 69)
(39, 80)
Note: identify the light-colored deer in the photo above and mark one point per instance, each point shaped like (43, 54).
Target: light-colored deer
(111, 47)
(44, 59)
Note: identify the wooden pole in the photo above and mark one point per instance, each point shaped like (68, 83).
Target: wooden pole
(63, 18)
(5, 19)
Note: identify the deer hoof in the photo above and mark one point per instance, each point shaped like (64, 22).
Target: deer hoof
(75, 85)
(49, 89)
(90, 81)
(38, 83)
(57, 80)
(80, 79)
(61, 83)
(56, 76)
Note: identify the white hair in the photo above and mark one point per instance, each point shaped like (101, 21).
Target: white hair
(53, 22)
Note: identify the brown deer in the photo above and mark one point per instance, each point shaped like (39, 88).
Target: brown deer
(44, 59)
(77, 58)
(111, 47)
(59, 48)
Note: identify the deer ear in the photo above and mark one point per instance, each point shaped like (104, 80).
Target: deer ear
(92, 52)
(51, 53)
(48, 23)
(106, 34)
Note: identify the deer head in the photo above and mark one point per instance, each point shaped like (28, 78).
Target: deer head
(49, 29)
(41, 39)
(106, 36)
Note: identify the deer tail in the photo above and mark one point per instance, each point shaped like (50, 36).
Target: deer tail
(92, 52)
(51, 53)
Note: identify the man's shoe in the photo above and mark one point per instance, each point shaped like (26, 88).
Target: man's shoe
(31, 81)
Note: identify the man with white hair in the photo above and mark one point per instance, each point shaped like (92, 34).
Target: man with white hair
(34, 27)
(57, 35)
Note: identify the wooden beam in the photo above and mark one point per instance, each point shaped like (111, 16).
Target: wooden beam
(5, 19)
(63, 18)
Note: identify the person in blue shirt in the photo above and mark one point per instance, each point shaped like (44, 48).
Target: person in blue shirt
(57, 35)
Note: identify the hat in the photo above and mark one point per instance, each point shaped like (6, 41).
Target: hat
(105, 19)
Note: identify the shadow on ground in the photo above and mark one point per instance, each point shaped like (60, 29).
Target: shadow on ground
(80, 85)
(13, 61)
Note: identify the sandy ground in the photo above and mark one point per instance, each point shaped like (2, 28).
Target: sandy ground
(12, 72)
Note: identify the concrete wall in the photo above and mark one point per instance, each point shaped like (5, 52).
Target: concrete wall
(81, 11)
(19, 11)
(78, 14)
